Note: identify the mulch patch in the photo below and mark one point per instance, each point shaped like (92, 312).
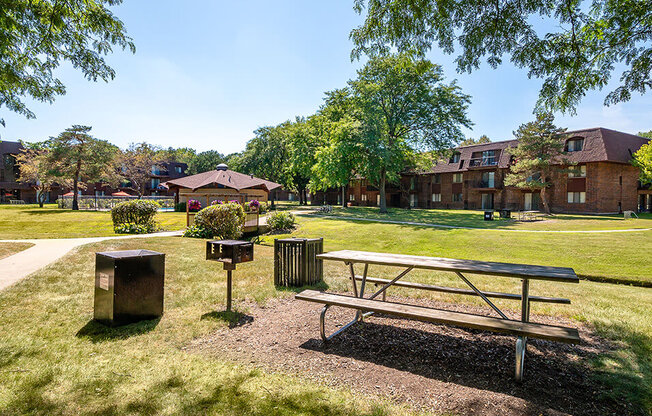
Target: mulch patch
(433, 367)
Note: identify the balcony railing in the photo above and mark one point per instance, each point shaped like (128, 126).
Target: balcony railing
(483, 161)
(485, 184)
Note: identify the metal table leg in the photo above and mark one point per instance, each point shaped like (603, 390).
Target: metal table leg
(521, 342)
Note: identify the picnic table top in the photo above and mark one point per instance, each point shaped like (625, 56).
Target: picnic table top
(523, 271)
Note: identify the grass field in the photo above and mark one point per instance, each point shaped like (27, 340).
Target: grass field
(55, 360)
(30, 221)
(601, 256)
(475, 219)
(7, 249)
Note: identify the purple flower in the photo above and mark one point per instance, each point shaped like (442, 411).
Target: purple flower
(194, 205)
(254, 203)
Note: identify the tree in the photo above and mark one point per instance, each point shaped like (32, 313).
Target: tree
(35, 171)
(583, 47)
(37, 36)
(643, 160)
(136, 164)
(178, 155)
(205, 161)
(403, 107)
(77, 156)
(646, 134)
(266, 155)
(538, 156)
(336, 161)
(471, 141)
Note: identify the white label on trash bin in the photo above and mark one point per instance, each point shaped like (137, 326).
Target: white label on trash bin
(104, 281)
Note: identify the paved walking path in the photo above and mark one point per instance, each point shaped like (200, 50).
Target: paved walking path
(46, 251)
(426, 224)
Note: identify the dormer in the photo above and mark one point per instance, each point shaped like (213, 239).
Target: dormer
(574, 144)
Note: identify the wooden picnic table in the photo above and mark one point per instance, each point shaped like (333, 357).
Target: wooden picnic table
(522, 328)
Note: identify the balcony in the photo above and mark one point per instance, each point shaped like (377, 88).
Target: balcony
(482, 162)
(484, 184)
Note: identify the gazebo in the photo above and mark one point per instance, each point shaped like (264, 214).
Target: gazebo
(221, 184)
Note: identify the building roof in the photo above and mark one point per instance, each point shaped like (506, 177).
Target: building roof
(12, 148)
(222, 177)
(600, 145)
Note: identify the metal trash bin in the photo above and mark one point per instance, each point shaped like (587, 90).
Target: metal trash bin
(128, 286)
(488, 215)
(296, 263)
(505, 213)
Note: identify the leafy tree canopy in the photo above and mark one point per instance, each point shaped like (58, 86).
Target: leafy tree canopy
(37, 36)
(36, 171)
(471, 141)
(646, 134)
(643, 160)
(205, 161)
(581, 47)
(136, 165)
(403, 107)
(178, 155)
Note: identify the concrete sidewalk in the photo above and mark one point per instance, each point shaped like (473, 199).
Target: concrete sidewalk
(46, 251)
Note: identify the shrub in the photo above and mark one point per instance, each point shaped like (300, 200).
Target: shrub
(222, 220)
(133, 229)
(195, 231)
(135, 216)
(281, 220)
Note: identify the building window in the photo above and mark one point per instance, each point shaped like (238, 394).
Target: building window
(488, 180)
(436, 197)
(576, 197)
(457, 178)
(155, 183)
(455, 158)
(351, 197)
(574, 145)
(413, 183)
(457, 197)
(413, 200)
(99, 193)
(178, 169)
(436, 178)
(363, 197)
(578, 172)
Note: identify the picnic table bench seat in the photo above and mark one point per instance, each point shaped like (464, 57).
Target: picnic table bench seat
(518, 328)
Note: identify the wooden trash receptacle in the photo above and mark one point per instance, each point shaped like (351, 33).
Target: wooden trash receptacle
(296, 263)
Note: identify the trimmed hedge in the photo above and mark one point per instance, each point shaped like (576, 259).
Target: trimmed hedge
(281, 220)
(224, 221)
(135, 217)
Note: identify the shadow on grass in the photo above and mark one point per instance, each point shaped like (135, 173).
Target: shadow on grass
(232, 318)
(557, 376)
(98, 332)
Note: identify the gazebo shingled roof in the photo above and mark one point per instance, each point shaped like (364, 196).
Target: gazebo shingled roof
(223, 176)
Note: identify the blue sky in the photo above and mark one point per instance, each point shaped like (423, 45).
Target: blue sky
(208, 73)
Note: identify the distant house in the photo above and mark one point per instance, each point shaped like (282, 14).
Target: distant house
(473, 178)
(221, 184)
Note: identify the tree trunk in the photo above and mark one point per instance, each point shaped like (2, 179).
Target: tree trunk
(344, 196)
(383, 195)
(75, 202)
(544, 201)
(75, 187)
(41, 199)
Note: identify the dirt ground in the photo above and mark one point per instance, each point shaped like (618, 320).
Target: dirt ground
(432, 367)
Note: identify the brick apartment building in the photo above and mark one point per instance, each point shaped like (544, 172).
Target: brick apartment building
(473, 178)
(10, 188)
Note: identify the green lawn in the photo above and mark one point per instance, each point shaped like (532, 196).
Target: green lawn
(7, 249)
(55, 360)
(30, 221)
(475, 219)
